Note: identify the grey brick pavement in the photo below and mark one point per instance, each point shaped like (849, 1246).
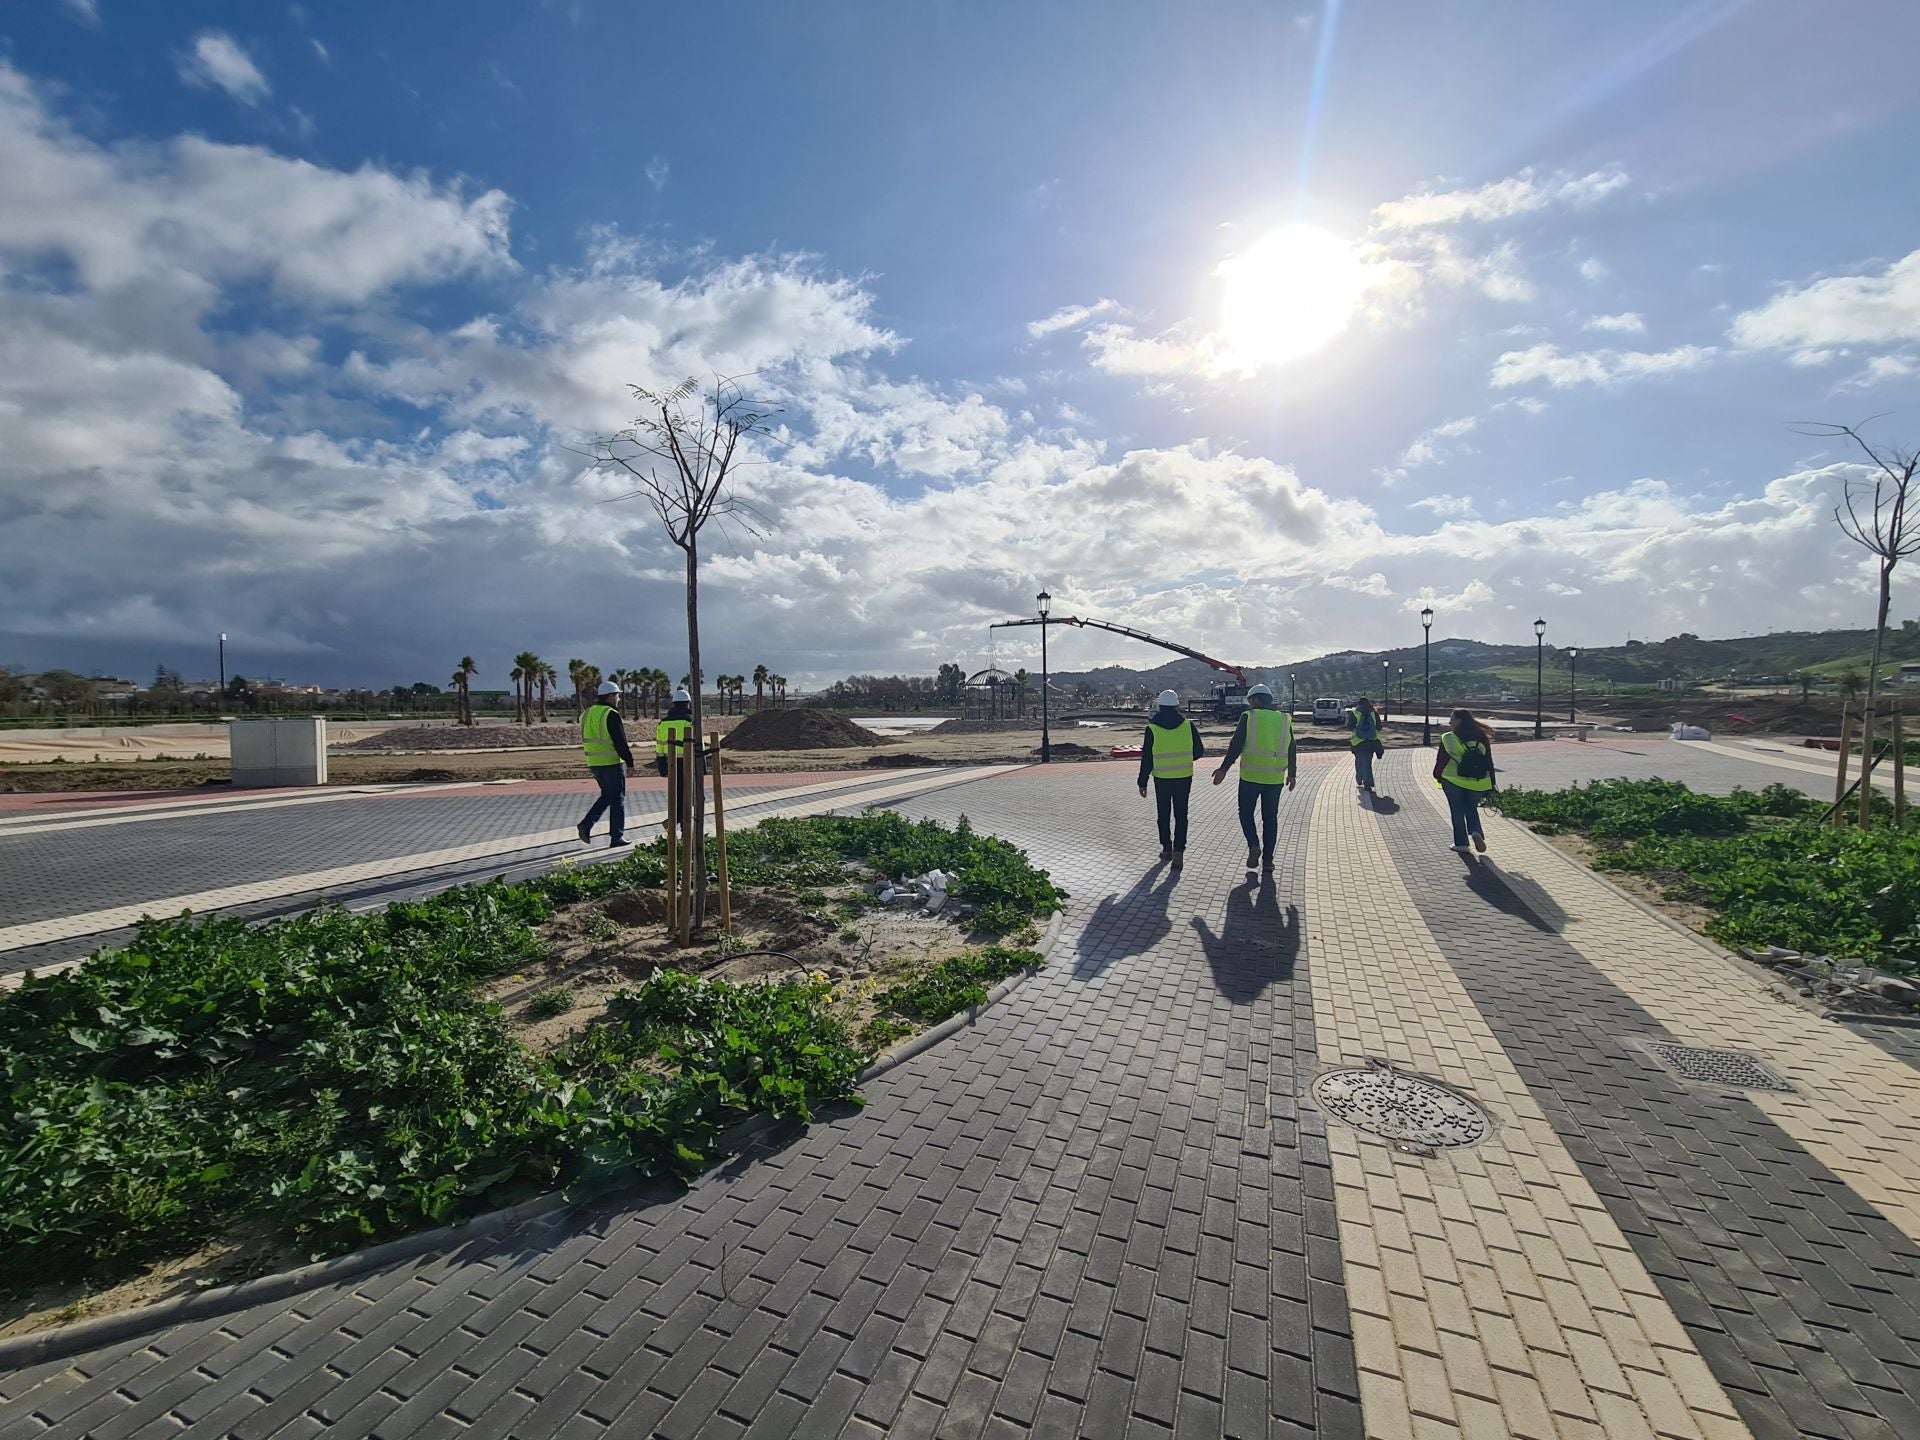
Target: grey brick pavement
(1801, 1296)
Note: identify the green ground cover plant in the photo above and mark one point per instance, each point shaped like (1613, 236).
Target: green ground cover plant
(1760, 861)
(955, 984)
(338, 1080)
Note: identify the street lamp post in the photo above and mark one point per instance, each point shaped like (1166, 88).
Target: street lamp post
(1046, 729)
(1400, 687)
(1539, 677)
(1386, 684)
(1426, 665)
(223, 662)
(1573, 688)
(1290, 707)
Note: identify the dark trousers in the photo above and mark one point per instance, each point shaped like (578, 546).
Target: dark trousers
(1170, 802)
(1464, 805)
(1267, 797)
(1363, 764)
(612, 803)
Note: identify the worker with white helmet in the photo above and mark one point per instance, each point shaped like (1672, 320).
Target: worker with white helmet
(1167, 755)
(676, 725)
(609, 761)
(1263, 743)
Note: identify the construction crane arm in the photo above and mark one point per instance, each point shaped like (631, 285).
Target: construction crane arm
(1131, 634)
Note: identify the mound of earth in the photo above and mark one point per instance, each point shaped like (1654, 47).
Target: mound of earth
(982, 727)
(798, 730)
(425, 739)
(1067, 750)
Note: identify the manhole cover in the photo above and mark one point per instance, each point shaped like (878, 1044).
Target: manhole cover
(1402, 1108)
(1717, 1067)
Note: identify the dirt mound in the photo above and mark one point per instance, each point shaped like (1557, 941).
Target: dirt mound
(1067, 750)
(897, 760)
(982, 727)
(798, 730)
(425, 739)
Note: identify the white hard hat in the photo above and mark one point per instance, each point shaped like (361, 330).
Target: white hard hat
(1169, 700)
(1261, 691)
(680, 696)
(607, 687)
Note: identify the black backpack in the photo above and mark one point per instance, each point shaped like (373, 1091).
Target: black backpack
(1475, 762)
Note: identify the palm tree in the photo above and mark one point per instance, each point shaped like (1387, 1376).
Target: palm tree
(619, 678)
(462, 674)
(760, 677)
(780, 690)
(1020, 682)
(547, 677)
(574, 669)
(739, 692)
(525, 673)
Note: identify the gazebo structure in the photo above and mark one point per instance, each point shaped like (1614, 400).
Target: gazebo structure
(990, 694)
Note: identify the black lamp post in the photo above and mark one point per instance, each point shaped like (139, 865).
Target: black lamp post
(1046, 729)
(223, 663)
(1426, 665)
(1539, 676)
(1386, 683)
(1400, 686)
(1290, 705)
(1573, 688)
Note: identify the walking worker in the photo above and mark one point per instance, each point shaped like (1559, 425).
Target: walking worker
(1263, 744)
(1463, 766)
(609, 761)
(1363, 733)
(1167, 755)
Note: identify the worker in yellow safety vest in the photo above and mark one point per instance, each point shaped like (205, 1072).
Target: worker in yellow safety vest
(609, 761)
(1463, 768)
(1263, 744)
(676, 726)
(1167, 755)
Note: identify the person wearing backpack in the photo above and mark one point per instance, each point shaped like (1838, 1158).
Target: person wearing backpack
(1363, 734)
(1463, 766)
(1167, 753)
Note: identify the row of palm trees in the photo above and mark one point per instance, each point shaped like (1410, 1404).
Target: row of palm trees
(533, 677)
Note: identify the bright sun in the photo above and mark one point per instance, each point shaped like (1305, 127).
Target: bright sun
(1290, 293)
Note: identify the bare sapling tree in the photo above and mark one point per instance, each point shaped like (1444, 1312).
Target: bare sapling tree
(1876, 513)
(682, 453)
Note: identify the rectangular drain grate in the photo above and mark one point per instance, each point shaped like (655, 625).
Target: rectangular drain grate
(1717, 1067)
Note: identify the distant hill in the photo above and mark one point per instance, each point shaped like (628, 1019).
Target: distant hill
(1463, 667)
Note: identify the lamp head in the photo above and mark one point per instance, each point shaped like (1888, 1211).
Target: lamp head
(1046, 601)
(1573, 654)
(1539, 628)
(1426, 617)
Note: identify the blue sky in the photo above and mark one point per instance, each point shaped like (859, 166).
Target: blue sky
(308, 306)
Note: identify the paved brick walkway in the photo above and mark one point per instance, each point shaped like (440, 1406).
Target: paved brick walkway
(1110, 1208)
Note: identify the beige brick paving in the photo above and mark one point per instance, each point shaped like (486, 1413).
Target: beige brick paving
(1858, 1107)
(1492, 1292)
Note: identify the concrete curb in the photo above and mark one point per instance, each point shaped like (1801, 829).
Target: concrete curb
(19, 1351)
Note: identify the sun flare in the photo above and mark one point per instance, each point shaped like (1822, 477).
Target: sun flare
(1288, 295)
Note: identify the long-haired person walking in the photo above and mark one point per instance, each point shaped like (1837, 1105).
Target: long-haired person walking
(1167, 753)
(1363, 734)
(1464, 767)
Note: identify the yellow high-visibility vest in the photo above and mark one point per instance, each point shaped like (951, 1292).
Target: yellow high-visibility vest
(595, 737)
(1173, 752)
(1456, 749)
(668, 731)
(1263, 760)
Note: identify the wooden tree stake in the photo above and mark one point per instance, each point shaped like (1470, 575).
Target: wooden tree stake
(1899, 767)
(1867, 717)
(720, 841)
(673, 878)
(1840, 770)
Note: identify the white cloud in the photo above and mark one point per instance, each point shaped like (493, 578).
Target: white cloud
(1881, 309)
(1883, 368)
(1428, 448)
(326, 55)
(220, 61)
(1374, 584)
(1627, 323)
(1593, 367)
(87, 12)
(656, 173)
(1499, 200)
(1446, 506)
(1593, 270)
(1071, 317)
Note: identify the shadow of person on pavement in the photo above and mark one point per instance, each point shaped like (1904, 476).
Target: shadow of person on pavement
(1384, 805)
(1129, 924)
(1257, 943)
(1514, 895)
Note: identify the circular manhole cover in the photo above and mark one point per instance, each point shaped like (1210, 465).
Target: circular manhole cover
(1402, 1108)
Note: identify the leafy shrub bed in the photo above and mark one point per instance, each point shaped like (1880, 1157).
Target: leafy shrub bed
(335, 1078)
(1759, 861)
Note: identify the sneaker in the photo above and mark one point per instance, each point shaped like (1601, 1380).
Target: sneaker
(1266, 867)
(1253, 858)
(1179, 858)
(617, 842)
(1458, 849)
(1166, 852)
(583, 832)
(1480, 843)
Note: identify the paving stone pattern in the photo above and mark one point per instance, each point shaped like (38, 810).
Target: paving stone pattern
(1802, 1297)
